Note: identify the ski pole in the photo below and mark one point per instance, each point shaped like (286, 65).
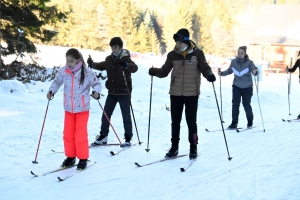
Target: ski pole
(289, 85)
(149, 114)
(109, 121)
(259, 104)
(229, 158)
(131, 106)
(35, 162)
(221, 96)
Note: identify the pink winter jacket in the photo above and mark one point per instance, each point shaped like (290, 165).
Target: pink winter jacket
(76, 96)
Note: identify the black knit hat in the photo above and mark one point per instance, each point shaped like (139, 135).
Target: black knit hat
(182, 35)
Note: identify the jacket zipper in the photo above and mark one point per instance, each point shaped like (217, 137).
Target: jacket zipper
(72, 93)
(183, 75)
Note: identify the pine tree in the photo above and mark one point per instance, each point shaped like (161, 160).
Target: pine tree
(23, 22)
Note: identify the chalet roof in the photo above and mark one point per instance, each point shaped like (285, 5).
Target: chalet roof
(277, 24)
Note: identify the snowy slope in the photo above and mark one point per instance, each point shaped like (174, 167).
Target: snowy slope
(265, 165)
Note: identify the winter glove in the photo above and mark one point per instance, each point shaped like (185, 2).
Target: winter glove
(50, 95)
(90, 62)
(95, 95)
(211, 78)
(152, 71)
(123, 64)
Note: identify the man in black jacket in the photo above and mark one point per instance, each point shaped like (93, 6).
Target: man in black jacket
(119, 90)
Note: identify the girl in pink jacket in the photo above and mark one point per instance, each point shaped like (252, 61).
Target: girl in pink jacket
(77, 80)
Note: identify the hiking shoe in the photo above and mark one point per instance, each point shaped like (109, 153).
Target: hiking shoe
(193, 151)
(68, 162)
(172, 152)
(82, 164)
(100, 139)
(233, 125)
(125, 144)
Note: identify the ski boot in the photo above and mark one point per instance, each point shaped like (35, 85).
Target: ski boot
(82, 164)
(173, 152)
(193, 151)
(100, 139)
(68, 162)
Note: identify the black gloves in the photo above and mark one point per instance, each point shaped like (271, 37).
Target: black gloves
(123, 64)
(152, 71)
(90, 62)
(211, 78)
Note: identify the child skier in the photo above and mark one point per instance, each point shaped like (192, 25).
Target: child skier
(77, 80)
(117, 65)
(242, 87)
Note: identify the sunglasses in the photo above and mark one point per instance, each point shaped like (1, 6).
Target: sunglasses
(180, 38)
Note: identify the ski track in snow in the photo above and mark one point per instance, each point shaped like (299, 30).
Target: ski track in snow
(265, 165)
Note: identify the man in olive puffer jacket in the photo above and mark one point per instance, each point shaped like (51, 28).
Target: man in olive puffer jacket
(187, 63)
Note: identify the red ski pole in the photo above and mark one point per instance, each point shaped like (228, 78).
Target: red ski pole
(35, 162)
(109, 121)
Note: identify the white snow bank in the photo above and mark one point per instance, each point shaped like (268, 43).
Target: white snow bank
(10, 86)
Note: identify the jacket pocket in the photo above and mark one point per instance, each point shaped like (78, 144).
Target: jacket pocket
(172, 80)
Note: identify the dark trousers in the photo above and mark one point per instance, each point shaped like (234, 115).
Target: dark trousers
(246, 95)
(191, 107)
(110, 104)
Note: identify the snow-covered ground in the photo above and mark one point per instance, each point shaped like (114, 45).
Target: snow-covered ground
(265, 165)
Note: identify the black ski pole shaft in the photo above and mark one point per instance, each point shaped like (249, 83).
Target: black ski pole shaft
(109, 122)
(221, 97)
(149, 114)
(256, 82)
(229, 158)
(35, 162)
(131, 107)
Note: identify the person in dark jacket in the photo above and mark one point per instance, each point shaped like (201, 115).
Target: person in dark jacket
(242, 87)
(187, 63)
(293, 69)
(117, 65)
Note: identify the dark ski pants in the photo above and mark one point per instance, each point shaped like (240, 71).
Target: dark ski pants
(246, 95)
(110, 104)
(191, 107)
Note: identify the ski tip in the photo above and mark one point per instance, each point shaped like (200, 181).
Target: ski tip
(60, 179)
(283, 120)
(182, 169)
(137, 164)
(113, 153)
(52, 150)
(207, 130)
(32, 173)
(237, 130)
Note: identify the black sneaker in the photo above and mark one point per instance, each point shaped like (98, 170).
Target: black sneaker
(68, 162)
(233, 125)
(82, 164)
(173, 151)
(250, 123)
(100, 139)
(193, 151)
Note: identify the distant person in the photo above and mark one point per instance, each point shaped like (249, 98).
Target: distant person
(77, 80)
(187, 62)
(297, 64)
(242, 87)
(117, 65)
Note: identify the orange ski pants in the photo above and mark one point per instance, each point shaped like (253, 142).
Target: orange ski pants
(75, 135)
